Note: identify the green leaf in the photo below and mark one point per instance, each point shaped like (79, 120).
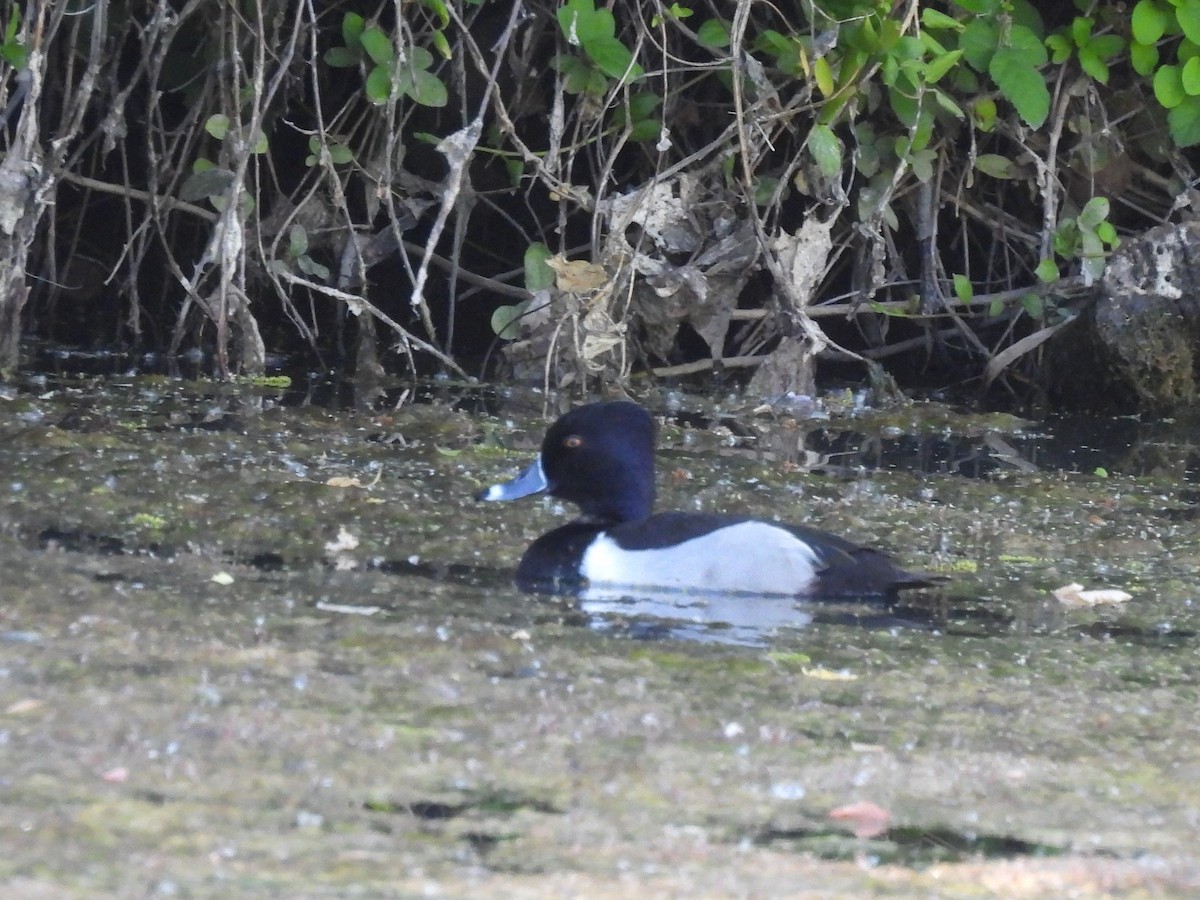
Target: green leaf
(202, 165)
(932, 18)
(599, 25)
(713, 33)
(419, 58)
(922, 164)
(378, 46)
(425, 88)
(1026, 15)
(217, 125)
(1033, 304)
(1066, 238)
(14, 24)
(340, 154)
(1107, 46)
(441, 44)
(643, 104)
(979, 7)
(310, 266)
(770, 41)
(1184, 122)
(568, 18)
(1028, 44)
(906, 106)
(1021, 84)
(1144, 58)
(943, 100)
(576, 74)
(260, 144)
(352, 29)
(1189, 76)
(341, 57)
(538, 275)
(826, 150)
(1047, 272)
(1091, 246)
(764, 189)
(978, 43)
(995, 165)
(379, 85)
(210, 182)
(983, 111)
(612, 58)
(1094, 212)
(15, 54)
(1168, 86)
(1081, 30)
(597, 84)
(645, 130)
(823, 75)
(580, 21)
(516, 170)
(1093, 65)
(1149, 22)
(1187, 14)
(438, 8)
(963, 289)
(938, 67)
(297, 241)
(996, 307)
(866, 148)
(1060, 49)
(506, 321)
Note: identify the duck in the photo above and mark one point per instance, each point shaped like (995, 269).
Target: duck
(600, 457)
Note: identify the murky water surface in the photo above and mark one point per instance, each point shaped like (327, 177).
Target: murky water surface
(257, 649)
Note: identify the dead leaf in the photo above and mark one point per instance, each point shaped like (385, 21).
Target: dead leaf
(865, 819)
(1013, 352)
(350, 481)
(577, 276)
(822, 674)
(1075, 596)
(665, 217)
(600, 335)
(344, 541)
(804, 257)
(347, 609)
(22, 707)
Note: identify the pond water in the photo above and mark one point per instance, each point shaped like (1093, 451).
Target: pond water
(253, 646)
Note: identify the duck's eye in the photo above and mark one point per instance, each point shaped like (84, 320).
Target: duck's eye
(571, 441)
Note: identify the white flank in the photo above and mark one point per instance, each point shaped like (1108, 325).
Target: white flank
(749, 557)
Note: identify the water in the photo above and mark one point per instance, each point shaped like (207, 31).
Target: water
(253, 648)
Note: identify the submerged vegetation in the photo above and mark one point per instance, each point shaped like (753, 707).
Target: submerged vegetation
(572, 191)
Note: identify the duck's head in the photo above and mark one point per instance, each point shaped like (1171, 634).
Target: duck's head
(599, 457)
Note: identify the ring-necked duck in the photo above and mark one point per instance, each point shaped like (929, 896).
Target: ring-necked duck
(601, 458)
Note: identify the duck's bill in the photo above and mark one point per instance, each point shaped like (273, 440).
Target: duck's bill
(531, 481)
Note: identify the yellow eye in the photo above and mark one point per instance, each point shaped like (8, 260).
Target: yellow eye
(572, 441)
